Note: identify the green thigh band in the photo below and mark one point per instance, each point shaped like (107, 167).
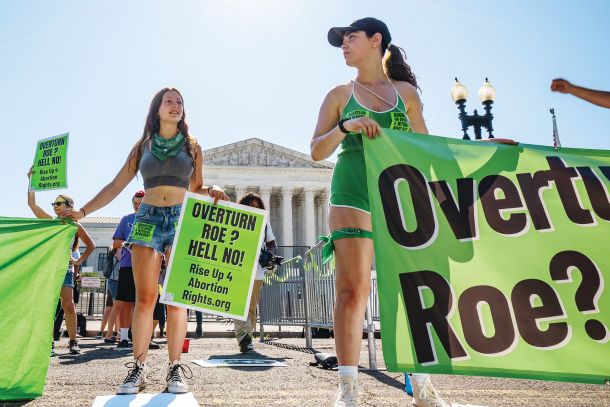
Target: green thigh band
(342, 233)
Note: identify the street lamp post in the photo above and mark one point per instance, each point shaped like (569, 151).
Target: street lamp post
(487, 94)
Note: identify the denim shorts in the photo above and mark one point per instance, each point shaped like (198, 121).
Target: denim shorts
(154, 227)
(113, 286)
(69, 279)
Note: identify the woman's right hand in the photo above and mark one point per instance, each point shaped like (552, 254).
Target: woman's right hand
(74, 215)
(561, 85)
(364, 125)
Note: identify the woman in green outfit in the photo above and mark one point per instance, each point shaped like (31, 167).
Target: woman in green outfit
(384, 94)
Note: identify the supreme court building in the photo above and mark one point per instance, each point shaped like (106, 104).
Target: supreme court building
(294, 188)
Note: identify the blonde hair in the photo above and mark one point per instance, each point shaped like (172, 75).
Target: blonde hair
(69, 200)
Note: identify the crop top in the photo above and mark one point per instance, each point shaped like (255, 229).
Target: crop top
(175, 171)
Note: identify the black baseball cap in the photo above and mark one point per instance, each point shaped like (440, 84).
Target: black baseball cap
(335, 34)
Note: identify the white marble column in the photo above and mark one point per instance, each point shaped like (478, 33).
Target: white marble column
(240, 190)
(310, 216)
(324, 210)
(265, 193)
(286, 193)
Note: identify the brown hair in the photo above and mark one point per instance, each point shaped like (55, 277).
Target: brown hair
(153, 124)
(395, 62)
(250, 197)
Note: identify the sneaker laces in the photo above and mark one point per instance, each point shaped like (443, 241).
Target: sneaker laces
(174, 375)
(428, 393)
(135, 371)
(348, 394)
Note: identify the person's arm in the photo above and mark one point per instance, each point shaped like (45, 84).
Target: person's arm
(111, 190)
(597, 97)
(38, 211)
(86, 239)
(196, 182)
(327, 134)
(414, 107)
(117, 244)
(119, 237)
(270, 239)
(272, 246)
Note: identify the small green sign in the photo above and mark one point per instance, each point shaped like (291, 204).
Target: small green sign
(214, 257)
(143, 231)
(50, 164)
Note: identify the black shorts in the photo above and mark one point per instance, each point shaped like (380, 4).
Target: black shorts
(159, 311)
(127, 288)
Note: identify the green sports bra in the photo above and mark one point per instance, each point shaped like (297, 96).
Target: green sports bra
(393, 118)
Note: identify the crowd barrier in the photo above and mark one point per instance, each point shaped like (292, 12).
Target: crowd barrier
(301, 292)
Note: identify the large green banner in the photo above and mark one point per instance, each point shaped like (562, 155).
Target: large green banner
(214, 257)
(491, 259)
(34, 256)
(50, 164)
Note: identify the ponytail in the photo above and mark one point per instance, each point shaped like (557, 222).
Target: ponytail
(396, 66)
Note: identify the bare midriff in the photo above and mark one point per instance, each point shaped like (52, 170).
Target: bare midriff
(164, 196)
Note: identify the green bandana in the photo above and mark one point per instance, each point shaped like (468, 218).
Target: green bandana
(328, 248)
(164, 148)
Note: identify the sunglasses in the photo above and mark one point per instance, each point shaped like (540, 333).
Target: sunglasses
(58, 203)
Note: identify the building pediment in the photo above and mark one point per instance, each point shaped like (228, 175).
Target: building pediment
(258, 153)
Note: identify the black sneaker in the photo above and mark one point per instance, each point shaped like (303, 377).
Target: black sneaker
(124, 344)
(74, 348)
(110, 340)
(99, 335)
(153, 345)
(245, 344)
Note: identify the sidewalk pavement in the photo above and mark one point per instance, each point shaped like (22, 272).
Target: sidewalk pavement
(77, 380)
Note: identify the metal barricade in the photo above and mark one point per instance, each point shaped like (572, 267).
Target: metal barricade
(302, 293)
(283, 300)
(320, 289)
(92, 301)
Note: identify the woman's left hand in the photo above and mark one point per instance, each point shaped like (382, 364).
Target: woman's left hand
(217, 193)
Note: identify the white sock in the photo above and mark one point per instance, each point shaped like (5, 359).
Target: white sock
(419, 378)
(348, 371)
(125, 334)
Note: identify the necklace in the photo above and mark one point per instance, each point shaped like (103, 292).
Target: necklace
(381, 97)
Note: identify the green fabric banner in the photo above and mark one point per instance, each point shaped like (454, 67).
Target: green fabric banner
(33, 262)
(491, 259)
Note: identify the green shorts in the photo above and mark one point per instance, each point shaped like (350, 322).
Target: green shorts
(348, 187)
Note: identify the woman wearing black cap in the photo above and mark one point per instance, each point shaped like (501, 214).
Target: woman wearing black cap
(384, 94)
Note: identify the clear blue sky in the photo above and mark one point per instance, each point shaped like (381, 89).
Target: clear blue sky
(260, 68)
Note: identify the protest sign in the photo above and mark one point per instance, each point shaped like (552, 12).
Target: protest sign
(50, 164)
(214, 256)
(491, 259)
(90, 282)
